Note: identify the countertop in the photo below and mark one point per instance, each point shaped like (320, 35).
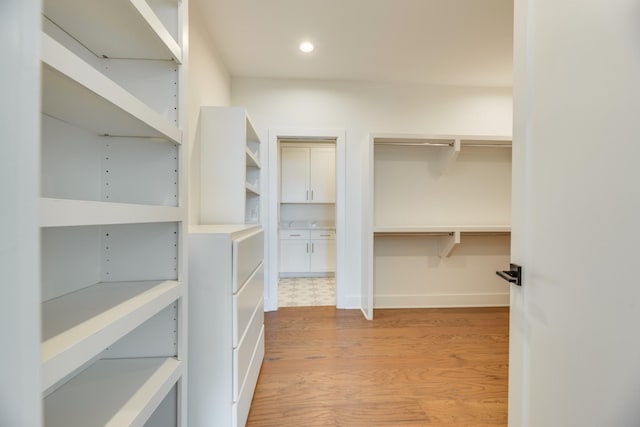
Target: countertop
(307, 225)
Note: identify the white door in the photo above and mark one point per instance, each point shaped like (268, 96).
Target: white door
(294, 175)
(322, 175)
(575, 351)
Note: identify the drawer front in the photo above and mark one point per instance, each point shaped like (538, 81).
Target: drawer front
(243, 355)
(294, 234)
(240, 409)
(323, 234)
(248, 253)
(245, 302)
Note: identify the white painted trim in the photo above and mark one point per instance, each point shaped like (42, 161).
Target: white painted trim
(20, 399)
(271, 256)
(352, 302)
(367, 282)
(441, 300)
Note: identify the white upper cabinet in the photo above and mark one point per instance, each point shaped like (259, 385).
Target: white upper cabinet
(322, 175)
(307, 174)
(294, 174)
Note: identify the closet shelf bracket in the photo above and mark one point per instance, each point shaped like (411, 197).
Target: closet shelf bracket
(451, 241)
(452, 154)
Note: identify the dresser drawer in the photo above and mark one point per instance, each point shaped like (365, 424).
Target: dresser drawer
(245, 302)
(294, 234)
(323, 234)
(247, 255)
(240, 408)
(243, 355)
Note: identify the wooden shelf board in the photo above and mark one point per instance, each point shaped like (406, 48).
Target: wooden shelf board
(442, 229)
(252, 135)
(76, 327)
(388, 138)
(116, 392)
(251, 159)
(65, 212)
(252, 189)
(224, 229)
(77, 93)
(140, 33)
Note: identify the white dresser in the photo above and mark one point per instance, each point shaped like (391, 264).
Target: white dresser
(226, 322)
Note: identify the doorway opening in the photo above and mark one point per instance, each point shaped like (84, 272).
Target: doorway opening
(307, 223)
(306, 217)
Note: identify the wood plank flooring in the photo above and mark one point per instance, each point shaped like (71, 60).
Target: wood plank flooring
(409, 367)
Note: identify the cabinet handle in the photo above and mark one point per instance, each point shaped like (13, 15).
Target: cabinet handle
(325, 235)
(311, 194)
(307, 195)
(307, 248)
(294, 235)
(313, 247)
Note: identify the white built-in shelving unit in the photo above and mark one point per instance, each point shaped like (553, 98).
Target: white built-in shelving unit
(112, 213)
(230, 167)
(440, 220)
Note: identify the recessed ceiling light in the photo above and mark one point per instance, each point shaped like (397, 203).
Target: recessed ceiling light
(307, 47)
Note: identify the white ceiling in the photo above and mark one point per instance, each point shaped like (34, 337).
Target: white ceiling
(452, 42)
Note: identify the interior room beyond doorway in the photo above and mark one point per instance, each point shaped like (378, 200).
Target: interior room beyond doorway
(306, 222)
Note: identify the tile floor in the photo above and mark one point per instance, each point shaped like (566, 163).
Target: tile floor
(306, 291)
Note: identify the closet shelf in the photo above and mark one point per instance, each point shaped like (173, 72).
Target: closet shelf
(65, 212)
(450, 235)
(252, 189)
(78, 326)
(117, 392)
(77, 93)
(442, 140)
(252, 135)
(419, 229)
(140, 33)
(252, 160)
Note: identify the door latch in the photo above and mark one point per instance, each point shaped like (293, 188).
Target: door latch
(513, 275)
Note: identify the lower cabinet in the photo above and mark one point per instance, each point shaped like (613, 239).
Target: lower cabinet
(307, 251)
(226, 322)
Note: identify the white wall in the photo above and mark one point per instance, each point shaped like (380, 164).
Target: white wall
(361, 108)
(208, 83)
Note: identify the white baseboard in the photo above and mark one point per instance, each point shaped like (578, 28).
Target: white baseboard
(441, 300)
(421, 301)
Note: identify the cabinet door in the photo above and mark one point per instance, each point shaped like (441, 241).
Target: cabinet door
(323, 256)
(294, 256)
(322, 175)
(294, 175)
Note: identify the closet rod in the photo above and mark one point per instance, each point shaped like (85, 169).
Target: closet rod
(487, 145)
(482, 233)
(417, 144)
(436, 234)
(443, 144)
(409, 233)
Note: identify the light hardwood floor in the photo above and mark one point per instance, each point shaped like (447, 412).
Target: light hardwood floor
(408, 367)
